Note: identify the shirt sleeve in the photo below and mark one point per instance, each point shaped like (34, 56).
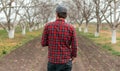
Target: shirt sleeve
(74, 44)
(44, 40)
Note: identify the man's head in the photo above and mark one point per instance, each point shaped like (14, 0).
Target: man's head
(61, 12)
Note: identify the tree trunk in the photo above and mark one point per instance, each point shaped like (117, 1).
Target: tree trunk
(24, 31)
(42, 26)
(31, 29)
(36, 28)
(11, 33)
(97, 30)
(96, 34)
(115, 21)
(113, 41)
(86, 28)
(80, 29)
(39, 26)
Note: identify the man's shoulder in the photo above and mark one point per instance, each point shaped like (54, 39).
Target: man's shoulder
(70, 25)
(48, 24)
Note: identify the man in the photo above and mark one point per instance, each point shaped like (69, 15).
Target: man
(60, 37)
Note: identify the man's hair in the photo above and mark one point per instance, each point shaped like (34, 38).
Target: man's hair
(62, 15)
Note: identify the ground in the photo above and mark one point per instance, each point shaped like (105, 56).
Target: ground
(32, 57)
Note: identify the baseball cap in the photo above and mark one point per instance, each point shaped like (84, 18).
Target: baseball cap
(60, 9)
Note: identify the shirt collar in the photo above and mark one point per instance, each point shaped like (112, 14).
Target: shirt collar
(62, 20)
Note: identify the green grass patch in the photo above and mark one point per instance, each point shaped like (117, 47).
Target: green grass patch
(104, 28)
(116, 53)
(3, 34)
(89, 35)
(103, 41)
(107, 47)
(118, 38)
(79, 53)
(4, 52)
(7, 45)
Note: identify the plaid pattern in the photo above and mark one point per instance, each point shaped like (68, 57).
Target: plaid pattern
(60, 38)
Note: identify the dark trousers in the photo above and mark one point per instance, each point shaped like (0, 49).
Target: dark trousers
(60, 67)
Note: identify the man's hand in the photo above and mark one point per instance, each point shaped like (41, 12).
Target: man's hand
(73, 59)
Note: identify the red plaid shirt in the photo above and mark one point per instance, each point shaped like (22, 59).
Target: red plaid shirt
(60, 38)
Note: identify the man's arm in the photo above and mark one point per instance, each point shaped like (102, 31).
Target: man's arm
(44, 40)
(74, 45)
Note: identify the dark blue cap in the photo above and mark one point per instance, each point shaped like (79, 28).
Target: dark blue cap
(60, 9)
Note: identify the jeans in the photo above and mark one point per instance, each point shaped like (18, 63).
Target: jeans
(60, 67)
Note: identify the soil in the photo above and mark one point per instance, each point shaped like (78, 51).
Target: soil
(33, 57)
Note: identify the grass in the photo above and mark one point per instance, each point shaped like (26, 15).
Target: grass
(7, 45)
(104, 39)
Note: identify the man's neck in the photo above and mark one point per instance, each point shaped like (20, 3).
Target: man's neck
(60, 18)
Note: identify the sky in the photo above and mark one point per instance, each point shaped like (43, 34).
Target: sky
(2, 15)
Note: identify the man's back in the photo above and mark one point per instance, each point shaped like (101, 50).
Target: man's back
(60, 36)
(61, 41)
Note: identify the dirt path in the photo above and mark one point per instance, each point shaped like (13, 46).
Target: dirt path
(32, 57)
(29, 57)
(95, 58)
